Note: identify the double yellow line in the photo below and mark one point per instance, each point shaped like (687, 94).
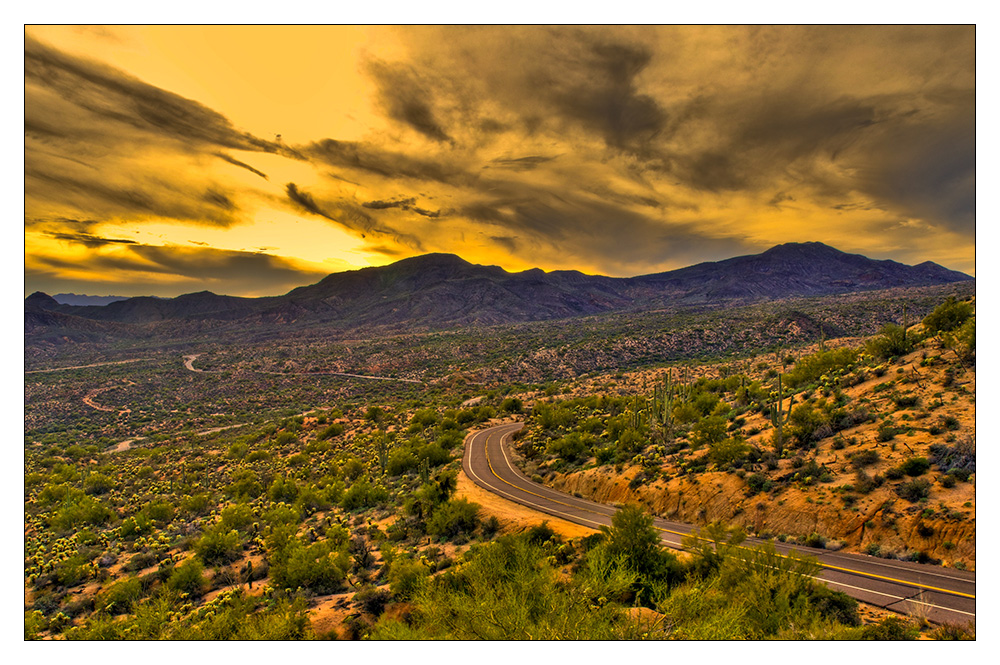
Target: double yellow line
(917, 585)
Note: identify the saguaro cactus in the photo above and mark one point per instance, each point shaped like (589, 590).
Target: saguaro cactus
(778, 416)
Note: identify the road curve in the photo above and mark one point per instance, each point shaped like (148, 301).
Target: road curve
(941, 595)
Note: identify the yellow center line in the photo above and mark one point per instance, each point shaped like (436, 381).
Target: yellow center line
(678, 533)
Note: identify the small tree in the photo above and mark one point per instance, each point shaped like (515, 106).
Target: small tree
(634, 539)
(949, 315)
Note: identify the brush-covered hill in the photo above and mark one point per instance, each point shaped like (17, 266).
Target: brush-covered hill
(873, 449)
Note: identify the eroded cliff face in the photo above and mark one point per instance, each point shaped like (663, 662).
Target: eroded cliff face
(897, 527)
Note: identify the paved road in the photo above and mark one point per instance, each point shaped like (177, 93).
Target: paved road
(942, 595)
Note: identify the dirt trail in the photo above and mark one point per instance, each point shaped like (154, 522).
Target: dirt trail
(88, 399)
(63, 369)
(189, 363)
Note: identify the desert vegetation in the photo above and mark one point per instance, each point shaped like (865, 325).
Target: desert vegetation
(262, 499)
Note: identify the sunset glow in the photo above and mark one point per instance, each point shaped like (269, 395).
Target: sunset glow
(249, 160)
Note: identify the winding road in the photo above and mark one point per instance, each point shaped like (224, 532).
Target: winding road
(941, 595)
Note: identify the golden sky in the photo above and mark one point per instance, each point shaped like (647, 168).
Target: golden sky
(249, 160)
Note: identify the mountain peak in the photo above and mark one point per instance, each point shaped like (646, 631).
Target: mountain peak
(433, 259)
(40, 300)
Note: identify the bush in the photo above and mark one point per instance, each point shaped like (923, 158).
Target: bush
(709, 430)
(121, 596)
(511, 405)
(336, 429)
(219, 545)
(890, 628)
(915, 466)
(570, 447)
(758, 482)
(453, 518)
(401, 461)
(188, 578)
(633, 538)
(98, 483)
(812, 367)
(362, 494)
(892, 341)
(863, 458)
(407, 577)
(886, 431)
(963, 340)
(320, 567)
(948, 316)
(914, 490)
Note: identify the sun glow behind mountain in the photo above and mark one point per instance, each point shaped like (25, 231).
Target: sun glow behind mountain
(251, 159)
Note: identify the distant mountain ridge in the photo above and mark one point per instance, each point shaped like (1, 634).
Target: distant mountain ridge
(443, 290)
(81, 300)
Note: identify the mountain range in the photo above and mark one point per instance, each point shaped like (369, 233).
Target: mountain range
(442, 290)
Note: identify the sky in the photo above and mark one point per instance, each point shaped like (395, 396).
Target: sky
(248, 160)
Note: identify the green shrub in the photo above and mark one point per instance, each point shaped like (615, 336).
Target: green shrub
(758, 482)
(891, 341)
(729, 451)
(455, 517)
(219, 545)
(810, 368)
(947, 316)
(319, 567)
(335, 429)
(283, 490)
(511, 405)
(362, 494)
(188, 578)
(914, 490)
(863, 458)
(98, 483)
(886, 431)
(407, 577)
(915, 466)
(570, 447)
(120, 597)
(401, 461)
(890, 628)
(708, 431)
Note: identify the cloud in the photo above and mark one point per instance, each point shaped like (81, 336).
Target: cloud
(350, 216)
(406, 99)
(382, 205)
(372, 159)
(120, 99)
(236, 162)
(167, 270)
(616, 149)
(89, 240)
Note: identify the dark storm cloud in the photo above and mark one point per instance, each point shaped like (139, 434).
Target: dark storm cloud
(89, 240)
(216, 268)
(528, 163)
(757, 139)
(577, 226)
(119, 98)
(242, 165)
(146, 196)
(604, 95)
(382, 205)
(389, 164)
(349, 216)
(509, 243)
(402, 204)
(926, 168)
(406, 99)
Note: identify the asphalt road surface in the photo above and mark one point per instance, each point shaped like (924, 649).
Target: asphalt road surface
(941, 595)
